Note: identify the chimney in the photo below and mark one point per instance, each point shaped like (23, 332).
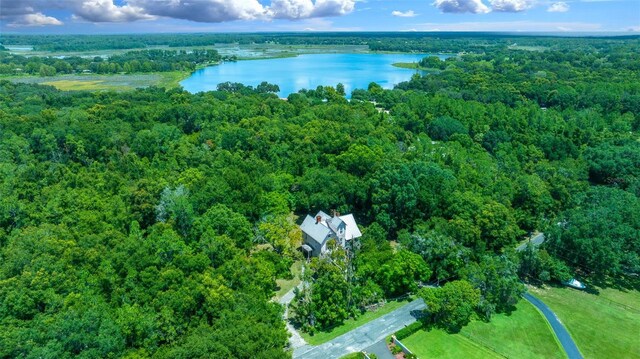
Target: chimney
(318, 219)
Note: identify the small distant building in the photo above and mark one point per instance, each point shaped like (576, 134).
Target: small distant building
(318, 230)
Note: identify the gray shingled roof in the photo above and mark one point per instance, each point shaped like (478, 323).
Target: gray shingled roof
(316, 231)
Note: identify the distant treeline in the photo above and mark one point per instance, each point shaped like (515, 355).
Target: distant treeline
(377, 41)
(130, 62)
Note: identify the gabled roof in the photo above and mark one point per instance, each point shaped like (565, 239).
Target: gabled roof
(334, 223)
(317, 231)
(328, 226)
(352, 230)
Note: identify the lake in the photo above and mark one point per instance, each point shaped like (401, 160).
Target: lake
(308, 72)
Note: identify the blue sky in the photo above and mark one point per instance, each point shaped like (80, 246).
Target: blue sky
(134, 16)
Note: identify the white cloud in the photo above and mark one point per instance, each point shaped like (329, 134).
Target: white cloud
(36, 19)
(409, 13)
(291, 9)
(461, 6)
(212, 11)
(558, 7)
(16, 11)
(325, 8)
(304, 9)
(107, 11)
(511, 5)
(26, 12)
(203, 10)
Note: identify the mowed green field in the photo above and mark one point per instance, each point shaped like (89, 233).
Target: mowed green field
(94, 82)
(522, 334)
(439, 344)
(603, 325)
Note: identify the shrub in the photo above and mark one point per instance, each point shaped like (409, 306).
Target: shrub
(444, 127)
(408, 330)
(395, 350)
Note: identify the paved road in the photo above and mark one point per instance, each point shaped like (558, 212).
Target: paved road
(535, 240)
(364, 336)
(561, 332)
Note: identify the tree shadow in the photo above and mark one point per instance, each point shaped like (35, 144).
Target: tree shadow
(622, 283)
(419, 314)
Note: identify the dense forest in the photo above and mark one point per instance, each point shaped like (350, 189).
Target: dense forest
(129, 62)
(154, 223)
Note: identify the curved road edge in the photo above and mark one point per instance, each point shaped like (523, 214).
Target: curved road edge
(561, 332)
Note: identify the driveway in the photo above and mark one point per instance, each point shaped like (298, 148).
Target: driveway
(363, 336)
(561, 332)
(535, 240)
(380, 350)
(295, 340)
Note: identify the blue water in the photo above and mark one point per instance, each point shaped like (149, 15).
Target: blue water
(307, 72)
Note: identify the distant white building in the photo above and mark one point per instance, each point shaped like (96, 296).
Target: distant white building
(318, 230)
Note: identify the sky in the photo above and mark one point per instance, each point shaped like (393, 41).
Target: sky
(153, 16)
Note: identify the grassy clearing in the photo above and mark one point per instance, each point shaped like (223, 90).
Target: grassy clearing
(323, 337)
(528, 48)
(414, 66)
(522, 334)
(439, 344)
(171, 79)
(76, 85)
(285, 285)
(353, 356)
(119, 82)
(408, 65)
(603, 325)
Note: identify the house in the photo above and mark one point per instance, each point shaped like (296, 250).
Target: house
(318, 230)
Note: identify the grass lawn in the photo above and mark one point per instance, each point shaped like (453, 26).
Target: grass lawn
(77, 85)
(407, 65)
(528, 48)
(438, 344)
(286, 285)
(414, 66)
(603, 325)
(523, 334)
(322, 337)
(118, 82)
(353, 356)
